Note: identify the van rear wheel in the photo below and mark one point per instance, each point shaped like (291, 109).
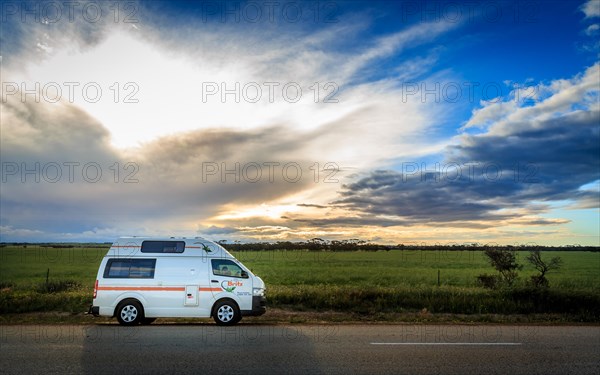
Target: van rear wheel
(130, 313)
(226, 313)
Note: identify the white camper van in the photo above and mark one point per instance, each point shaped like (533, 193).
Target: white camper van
(141, 279)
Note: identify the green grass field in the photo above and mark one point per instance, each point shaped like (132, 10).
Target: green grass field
(366, 283)
(581, 270)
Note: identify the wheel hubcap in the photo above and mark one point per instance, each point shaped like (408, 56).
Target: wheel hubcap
(225, 313)
(129, 313)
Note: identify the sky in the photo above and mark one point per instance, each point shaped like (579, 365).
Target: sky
(413, 122)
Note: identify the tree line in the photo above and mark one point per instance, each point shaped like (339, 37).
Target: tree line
(319, 244)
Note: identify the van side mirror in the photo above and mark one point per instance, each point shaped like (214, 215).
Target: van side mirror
(244, 274)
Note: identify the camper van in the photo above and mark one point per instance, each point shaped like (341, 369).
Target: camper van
(141, 279)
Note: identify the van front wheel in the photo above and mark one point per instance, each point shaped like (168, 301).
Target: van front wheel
(130, 313)
(226, 313)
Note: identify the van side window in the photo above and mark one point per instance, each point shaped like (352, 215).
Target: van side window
(222, 267)
(130, 268)
(163, 246)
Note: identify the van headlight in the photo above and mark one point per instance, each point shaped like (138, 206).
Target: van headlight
(258, 292)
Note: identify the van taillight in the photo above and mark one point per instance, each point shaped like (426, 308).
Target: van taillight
(95, 289)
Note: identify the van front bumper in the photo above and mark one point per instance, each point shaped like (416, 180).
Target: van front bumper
(259, 306)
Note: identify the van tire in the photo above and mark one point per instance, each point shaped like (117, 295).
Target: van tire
(226, 313)
(130, 312)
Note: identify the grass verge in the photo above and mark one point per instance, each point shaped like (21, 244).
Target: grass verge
(337, 303)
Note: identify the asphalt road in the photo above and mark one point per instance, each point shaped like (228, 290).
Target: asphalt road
(300, 349)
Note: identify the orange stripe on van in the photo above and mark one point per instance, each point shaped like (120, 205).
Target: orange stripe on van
(144, 288)
(156, 288)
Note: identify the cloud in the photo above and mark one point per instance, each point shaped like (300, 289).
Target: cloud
(393, 44)
(214, 230)
(311, 205)
(165, 181)
(352, 221)
(491, 112)
(153, 154)
(174, 164)
(44, 29)
(551, 99)
(540, 221)
(412, 200)
(591, 8)
(528, 156)
(169, 66)
(592, 30)
(170, 188)
(31, 129)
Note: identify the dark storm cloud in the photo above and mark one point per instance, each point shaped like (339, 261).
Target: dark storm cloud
(214, 230)
(390, 193)
(310, 205)
(541, 161)
(555, 157)
(351, 221)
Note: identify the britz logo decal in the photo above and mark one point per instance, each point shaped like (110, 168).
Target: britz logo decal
(230, 286)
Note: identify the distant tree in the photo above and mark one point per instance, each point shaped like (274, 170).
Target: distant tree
(316, 244)
(505, 262)
(535, 258)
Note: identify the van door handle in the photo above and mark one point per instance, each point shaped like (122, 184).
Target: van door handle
(214, 281)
